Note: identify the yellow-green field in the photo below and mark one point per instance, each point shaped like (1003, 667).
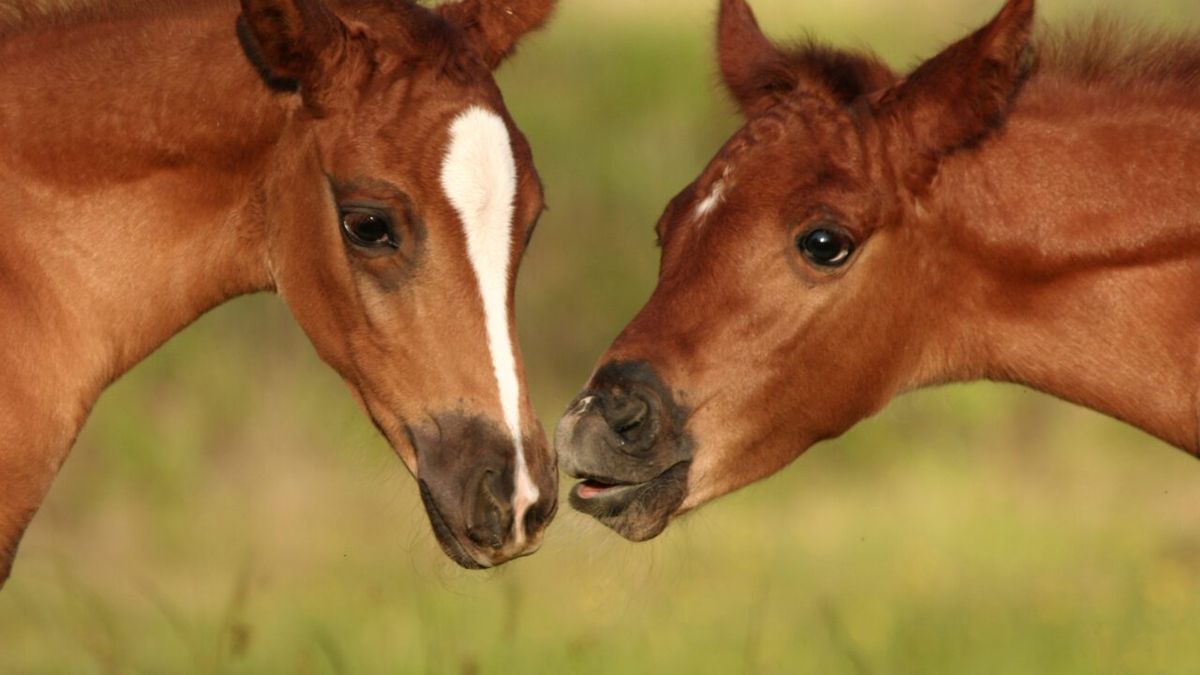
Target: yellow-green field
(229, 510)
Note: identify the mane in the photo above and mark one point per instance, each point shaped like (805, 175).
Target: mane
(21, 16)
(1106, 50)
(439, 43)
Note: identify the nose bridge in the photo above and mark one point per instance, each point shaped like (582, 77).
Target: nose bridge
(479, 178)
(662, 328)
(503, 489)
(469, 363)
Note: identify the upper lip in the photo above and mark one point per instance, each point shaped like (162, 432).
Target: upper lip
(445, 536)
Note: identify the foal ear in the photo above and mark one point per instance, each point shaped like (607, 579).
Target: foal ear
(494, 26)
(759, 74)
(292, 42)
(958, 97)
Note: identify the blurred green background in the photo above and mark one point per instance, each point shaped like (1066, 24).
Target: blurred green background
(228, 509)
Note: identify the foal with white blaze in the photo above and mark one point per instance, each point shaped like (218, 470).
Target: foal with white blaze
(357, 159)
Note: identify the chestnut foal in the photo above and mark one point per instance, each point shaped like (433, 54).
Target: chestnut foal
(997, 214)
(359, 162)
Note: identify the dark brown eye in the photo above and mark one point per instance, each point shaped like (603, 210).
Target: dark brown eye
(368, 229)
(826, 246)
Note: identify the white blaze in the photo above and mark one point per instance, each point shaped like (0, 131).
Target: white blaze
(479, 177)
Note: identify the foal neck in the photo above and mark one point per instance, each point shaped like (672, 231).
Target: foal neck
(1073, 240)
(129, 160)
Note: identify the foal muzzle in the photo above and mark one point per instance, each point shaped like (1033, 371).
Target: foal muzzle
(623, 439)
(466, 469)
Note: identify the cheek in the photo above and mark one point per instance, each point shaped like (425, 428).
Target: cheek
(765, 389)
(747, 436)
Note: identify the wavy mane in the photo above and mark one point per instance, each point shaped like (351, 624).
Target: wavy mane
(1114, 51)
(20, 16)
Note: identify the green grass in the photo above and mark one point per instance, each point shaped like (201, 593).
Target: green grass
(228, 509)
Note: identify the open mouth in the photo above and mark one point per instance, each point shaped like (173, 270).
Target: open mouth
(592, 490)
(592, 493)
(609, 498)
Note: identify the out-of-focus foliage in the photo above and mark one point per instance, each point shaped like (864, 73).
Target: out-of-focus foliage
(228, 509)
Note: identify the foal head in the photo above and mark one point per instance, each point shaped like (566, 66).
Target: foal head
(785, 301)
(397, 210)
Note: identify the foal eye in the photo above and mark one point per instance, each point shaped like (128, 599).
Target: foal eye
(826, 246)
(368, 228)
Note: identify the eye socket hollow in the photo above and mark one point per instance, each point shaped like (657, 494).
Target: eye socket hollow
(826, 246)
(368, 228)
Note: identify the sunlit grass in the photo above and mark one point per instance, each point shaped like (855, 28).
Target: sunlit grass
(228, 509)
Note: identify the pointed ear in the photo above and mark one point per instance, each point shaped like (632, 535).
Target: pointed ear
(759, 74)
(293, 43)
(961, 95)
(495, 26)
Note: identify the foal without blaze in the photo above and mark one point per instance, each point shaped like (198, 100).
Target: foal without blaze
(359, 162)
(1003, 212)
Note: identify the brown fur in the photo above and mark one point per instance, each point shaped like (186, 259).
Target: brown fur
(147, 174)
(1033, 220)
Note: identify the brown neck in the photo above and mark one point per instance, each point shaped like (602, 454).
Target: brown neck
(130, 161)
(1076, 258)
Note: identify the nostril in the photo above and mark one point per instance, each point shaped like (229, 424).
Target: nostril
(633, 422)
(538, 516)
(631, 418)
(626, 413)
(491, 515)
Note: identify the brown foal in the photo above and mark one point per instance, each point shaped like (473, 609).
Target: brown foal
(357, 159)
(1011, 210)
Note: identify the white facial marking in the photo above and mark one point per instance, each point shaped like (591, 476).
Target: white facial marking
(479, 177)
(710, 202)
